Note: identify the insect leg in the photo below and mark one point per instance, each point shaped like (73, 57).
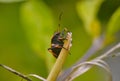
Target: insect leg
(67, 50)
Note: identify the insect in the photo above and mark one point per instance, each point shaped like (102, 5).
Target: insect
(57, 42)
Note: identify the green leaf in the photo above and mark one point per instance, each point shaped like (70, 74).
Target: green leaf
(10, 1)
(37, 20)
(87, 10)
(114, 23)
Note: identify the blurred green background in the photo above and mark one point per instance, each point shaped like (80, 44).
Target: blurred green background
(26, 28)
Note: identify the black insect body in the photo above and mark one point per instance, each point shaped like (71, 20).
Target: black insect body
(57, 42)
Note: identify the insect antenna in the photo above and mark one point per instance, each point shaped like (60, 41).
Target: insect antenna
(59, 25)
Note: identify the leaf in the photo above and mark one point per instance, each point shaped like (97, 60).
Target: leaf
(37, 22)
(114, 23)
(11, 1)
(85, 66)
(110, 52)
(87, 10)
(38, 77)
(77, 72)
(82, 67)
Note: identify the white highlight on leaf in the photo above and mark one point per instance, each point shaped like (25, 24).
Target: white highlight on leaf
(38, 77)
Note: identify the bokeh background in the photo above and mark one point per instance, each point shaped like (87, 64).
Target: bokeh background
(26, 28)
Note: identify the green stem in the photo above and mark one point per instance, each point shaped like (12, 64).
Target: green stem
(60, 60)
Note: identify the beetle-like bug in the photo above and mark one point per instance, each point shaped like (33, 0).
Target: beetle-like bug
(57, 42)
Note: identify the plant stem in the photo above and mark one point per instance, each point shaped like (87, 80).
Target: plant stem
(15, 72)
(60, 60)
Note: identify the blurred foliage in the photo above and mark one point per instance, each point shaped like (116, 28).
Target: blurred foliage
(10, 1)
(113, 24)
(26, 28)
(38, 32)
(88, 10)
